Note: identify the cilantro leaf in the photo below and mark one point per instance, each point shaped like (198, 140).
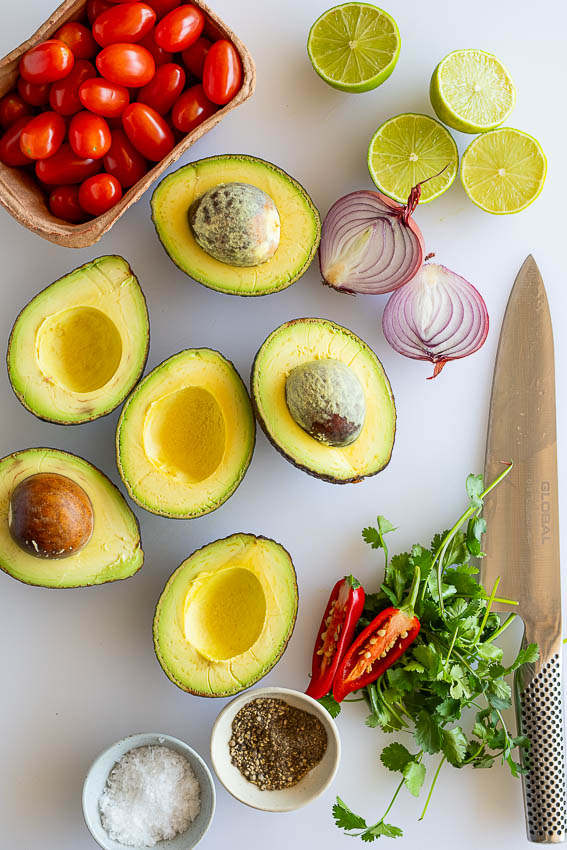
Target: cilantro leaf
(428, 733)
(399, 574)
(414, 777)
(384, 525)
(414, 667)
(454, 745)
(499, 694)
(526, 655)
(475, 487)
(345, 818)
(400, 679)
(475, 529)
(330, 704)
(396, 757)
(372, 537)
(489, 651)
(381, 828)
(449, 709)
(427, 655)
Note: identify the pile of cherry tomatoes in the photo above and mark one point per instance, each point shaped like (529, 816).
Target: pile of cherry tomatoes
(97, 105)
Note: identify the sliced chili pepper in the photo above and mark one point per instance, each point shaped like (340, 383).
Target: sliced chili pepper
(378, 646)
(335, 633)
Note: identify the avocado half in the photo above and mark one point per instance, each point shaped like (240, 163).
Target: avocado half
(299, 235)
(186, 435)
(226, 615)
(77, 349)
(114, 549)
(302, 341)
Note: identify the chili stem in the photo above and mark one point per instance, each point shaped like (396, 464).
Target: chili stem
(432, 787)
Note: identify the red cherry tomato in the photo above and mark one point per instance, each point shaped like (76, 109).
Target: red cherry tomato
(64, 94)
(10, 150)
(212, 31)
(103, 97)
(166, 86)
(96, 8)
(99, 193)
(163, 7)
(192, 108)
(126, 64)
(123, 160)
(194, 56)
(12, 108)
(66, 167)
(36, 94)
(222, 74)
(161, 57)
(125, 23)
(180, 28)
(78, 38)
(46, 62)
(148, 131)
(64, 203)
(43, 135)
(89, 135)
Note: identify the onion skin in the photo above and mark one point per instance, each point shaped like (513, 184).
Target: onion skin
(370, 244)
(439, 316)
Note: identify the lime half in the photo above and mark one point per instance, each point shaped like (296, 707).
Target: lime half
(503, 171)
(354, 47)
(409, 149)
(472, 91)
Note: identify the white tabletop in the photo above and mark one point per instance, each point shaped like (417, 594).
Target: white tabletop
(77, 667)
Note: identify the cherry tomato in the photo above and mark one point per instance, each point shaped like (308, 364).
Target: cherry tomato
(43, 135)
(64, 94)
(125, 23)
(96, 8)
(222, 74)
(163, 7)
(99, 193)
(103, 97)
(46, 62)
(126, 64)
(194, 56)
(180, 28)
(166, 86)
(89, 135)
(64, 203)
(36, 94)
(78, 38)
(161, 57)
(66, 167)
(148, 131)
(212, 31)
(10, 150)
(192, 108)
(123, 160)
(13, 107)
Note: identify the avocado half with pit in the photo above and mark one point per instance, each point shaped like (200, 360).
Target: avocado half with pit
(186, 435)
(173, 205)
(77, 349)
(226, 615)
(348, 425)
(109, 551)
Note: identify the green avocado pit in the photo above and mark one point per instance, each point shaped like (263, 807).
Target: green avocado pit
(236, 223)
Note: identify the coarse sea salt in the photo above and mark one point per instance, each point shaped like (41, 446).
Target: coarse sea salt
(151, 794)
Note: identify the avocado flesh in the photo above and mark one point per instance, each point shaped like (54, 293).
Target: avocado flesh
(186, 435)
(77, 349)
(225, 615)
(304, 340)
(299, 234)
(114, 549)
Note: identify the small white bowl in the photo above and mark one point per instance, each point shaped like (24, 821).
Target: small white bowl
(307, 789)
(101, 767)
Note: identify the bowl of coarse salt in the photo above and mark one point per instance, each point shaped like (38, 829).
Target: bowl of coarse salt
(148, 790)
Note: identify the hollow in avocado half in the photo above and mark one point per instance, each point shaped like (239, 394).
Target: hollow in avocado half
(216, 219)
(226, 615)
(77, 349)
(336, 421)
(63, 523)
(186, 435)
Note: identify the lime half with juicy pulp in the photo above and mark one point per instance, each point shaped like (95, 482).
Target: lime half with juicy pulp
(354, 47)
(503, 171)
(409, 149)
(472, 91)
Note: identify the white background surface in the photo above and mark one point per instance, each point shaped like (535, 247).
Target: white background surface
(77, 667)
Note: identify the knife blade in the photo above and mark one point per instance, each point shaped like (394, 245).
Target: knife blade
(522, 544)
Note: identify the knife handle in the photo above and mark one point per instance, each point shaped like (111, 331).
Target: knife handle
(539, 707)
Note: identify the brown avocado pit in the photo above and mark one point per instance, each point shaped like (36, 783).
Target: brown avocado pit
(50, 516)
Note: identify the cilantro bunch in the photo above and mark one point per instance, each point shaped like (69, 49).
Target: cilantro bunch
(453, 666)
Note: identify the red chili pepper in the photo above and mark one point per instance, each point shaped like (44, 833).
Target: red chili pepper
(335, 633)
(378, 646)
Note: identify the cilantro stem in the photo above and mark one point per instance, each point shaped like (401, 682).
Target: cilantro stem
(488, 608)
(455, 633)
(440, 765)
(359, 699)
(502, 628)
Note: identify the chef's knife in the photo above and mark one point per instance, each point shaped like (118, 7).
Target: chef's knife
(522, 543)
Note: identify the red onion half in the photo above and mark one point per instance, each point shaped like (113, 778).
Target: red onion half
(437, 316)
(370, 244)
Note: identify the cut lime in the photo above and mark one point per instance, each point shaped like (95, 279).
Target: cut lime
(503, 171)
(354, 47)
(472, 91)
(409, 149)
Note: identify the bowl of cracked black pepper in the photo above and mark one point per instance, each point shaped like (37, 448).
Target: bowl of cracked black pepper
(275, 749)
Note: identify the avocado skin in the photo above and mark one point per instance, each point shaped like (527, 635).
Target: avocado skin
(260, 675)
(77, 586)
(329, 478)
(19, 395)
